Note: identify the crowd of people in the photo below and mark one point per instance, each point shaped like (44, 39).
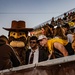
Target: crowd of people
(54, 41)
(39, 48)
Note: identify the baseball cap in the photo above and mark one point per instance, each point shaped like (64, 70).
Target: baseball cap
(42, 37)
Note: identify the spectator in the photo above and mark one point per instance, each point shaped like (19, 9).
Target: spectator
(4, 38)
(70, 35)
(60, 35)
(55, 43)
(73, 45)
(52, 21)
(39, 55)
(73, 42)
(47, 30)
(65, 17)
(41, 41)
(66, 28)
(8, 58)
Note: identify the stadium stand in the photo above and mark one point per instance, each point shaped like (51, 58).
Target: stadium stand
(60, 66)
